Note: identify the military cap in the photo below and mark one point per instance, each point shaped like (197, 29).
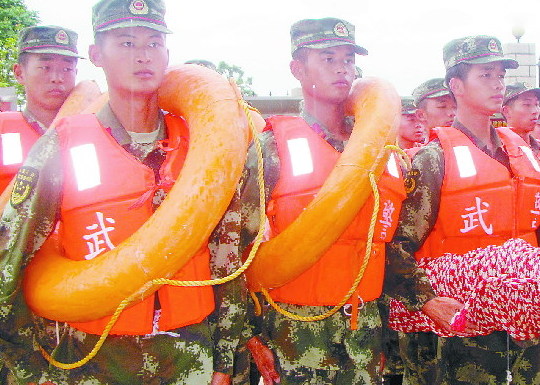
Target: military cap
(518, 88)
(48, 39)
(432, 88)
(323, 33)
(111, 14)
(476, 50)
(407, 105)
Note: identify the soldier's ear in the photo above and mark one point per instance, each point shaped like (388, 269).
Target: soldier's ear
(297, 69)
(456, 86)
(505, 111)
(94, 54)
(18, 72)
(421, 115)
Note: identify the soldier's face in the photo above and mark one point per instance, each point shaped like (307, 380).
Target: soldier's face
(438, 112)
(47, 79)
(134, 59)
(411, 130)
(483, 89)
(522, 113)
(327, 74)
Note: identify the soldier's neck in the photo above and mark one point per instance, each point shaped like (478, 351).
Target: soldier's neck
(43, 116)
(331, 115)
(479, 124)
(136, 113)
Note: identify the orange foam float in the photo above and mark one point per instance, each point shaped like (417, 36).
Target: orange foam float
(375, 105)
(76, 291)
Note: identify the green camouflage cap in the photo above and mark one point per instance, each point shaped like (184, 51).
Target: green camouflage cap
(476, 50)
(518, 88)
(407, 105)
(323, 33)
(432, 88)
(48, 39)
(111, 14)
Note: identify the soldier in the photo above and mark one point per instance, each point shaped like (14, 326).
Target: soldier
(411, 132)
(159, 340)
(46, 67)
(435, 105)
(333, 350)
(521, 109)
(464, 182)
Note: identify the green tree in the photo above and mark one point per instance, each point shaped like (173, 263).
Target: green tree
(237, 73)
(14, 16)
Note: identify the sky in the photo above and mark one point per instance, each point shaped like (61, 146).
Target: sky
(404, 38)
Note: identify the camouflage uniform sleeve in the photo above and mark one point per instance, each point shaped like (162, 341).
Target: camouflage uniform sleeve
(31, 214)
(228, 242)
(26, 222)
(404, 281)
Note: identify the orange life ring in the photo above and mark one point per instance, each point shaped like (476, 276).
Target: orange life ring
(62, 289)
(375, 105)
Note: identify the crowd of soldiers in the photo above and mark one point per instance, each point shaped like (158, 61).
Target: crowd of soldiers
(215, 335)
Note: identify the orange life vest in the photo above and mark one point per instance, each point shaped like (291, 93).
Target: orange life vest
(482, 203)
(306, 160)
(102, 206)
(16, 139)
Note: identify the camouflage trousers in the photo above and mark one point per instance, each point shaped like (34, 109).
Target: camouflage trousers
(244, 370)
(393, 364)
(484, 360)
(326, 351)
(180, 356)
(419, 354)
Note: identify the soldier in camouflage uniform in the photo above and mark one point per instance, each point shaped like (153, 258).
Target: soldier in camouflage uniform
(475, 74)
(130, 35)
(411, 132)
(327, 351)
(47, 60)
(435, 106)
(521, 109)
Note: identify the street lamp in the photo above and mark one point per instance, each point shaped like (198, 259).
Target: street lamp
(518, 31)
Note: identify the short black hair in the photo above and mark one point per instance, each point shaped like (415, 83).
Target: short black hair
(98, 38)
(23, 58)
(300, 54)
(460, 71)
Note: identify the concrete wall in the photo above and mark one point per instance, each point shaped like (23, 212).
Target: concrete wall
(8, 99)
(525, 54)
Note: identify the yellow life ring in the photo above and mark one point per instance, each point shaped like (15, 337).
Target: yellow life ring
(75, 291)
(375, 105)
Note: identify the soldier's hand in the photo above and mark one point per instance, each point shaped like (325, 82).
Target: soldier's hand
(442, 311)
(264, 359)
(220, 379)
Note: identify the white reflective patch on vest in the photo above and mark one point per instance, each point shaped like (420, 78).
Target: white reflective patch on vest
(86, 166)
(11, 148)
(531, 157)
(464, 161)
(392, 166)
(301, 159)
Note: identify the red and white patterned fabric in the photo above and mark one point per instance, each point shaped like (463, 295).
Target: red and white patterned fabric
(499, 285)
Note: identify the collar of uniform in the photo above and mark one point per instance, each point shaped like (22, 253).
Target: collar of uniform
(324, 132)
(39, 127)
(492, 133)
(108, 119)
(535, 144)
